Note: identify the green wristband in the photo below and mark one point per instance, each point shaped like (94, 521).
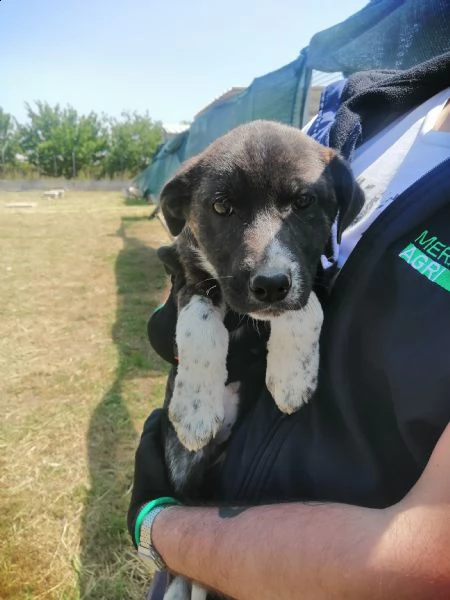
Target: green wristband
(146, 509)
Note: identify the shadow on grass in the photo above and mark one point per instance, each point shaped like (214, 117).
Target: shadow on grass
(136, 202)
(107, 569)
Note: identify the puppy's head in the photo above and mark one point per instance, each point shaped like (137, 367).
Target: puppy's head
(260, 202)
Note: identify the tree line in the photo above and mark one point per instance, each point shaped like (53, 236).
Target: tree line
(57, 141)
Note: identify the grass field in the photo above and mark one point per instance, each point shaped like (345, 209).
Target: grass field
(78, 280)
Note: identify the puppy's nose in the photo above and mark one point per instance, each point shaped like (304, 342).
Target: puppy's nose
(270, 288)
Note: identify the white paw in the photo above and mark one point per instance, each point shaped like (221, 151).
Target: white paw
(293, 380)
(196, 409)
(293, 356)
(196, 412)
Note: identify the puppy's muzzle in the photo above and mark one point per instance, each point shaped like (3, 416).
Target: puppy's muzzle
(270, 287)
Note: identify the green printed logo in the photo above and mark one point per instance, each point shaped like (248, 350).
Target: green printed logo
(429, 257)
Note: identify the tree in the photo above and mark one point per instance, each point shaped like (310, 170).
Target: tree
(9, 145)
(59, 142)
(88, 145)
(132, 143)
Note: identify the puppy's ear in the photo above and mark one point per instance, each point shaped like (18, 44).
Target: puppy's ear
(177, 194)
(349, 195)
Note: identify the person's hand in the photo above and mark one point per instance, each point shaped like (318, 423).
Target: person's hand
(151, 479)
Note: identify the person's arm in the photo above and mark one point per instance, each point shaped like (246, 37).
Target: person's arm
(319, 551)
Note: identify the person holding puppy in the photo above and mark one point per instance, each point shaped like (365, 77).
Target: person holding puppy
(350, 496)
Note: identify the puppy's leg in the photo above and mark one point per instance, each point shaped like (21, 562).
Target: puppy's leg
(198, 593)
(187, 469)
(293, 355)
(230, 401)
(179, 589)
(196, 409)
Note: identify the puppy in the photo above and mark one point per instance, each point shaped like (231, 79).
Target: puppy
(253, 214)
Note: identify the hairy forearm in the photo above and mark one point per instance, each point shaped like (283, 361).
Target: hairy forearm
(317, 551)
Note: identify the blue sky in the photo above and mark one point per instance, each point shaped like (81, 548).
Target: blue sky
(170, 57)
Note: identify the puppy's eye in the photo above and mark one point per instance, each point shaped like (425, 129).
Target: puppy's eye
(303, 201)
(223, 208)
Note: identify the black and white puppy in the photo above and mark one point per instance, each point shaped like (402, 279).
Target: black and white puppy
(253, 214)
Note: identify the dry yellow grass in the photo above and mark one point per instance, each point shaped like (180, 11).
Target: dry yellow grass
(79, 277)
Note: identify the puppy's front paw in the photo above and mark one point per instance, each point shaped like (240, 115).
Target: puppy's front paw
(293, 356)
(293, 380)
(196, 408)
(196, 412)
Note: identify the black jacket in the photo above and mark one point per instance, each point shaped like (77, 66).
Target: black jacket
(384, 385)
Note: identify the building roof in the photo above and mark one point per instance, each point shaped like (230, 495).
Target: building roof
(175, 128)
(234, 91)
